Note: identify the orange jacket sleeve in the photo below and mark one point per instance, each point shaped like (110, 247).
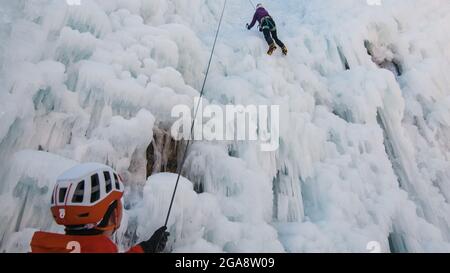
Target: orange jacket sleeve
(135, 249)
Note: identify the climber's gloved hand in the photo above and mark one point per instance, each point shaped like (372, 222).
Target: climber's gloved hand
(157, 242)
(248, 26)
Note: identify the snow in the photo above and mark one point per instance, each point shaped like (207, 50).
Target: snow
(197, 223)
(364, 136)
(26, 193)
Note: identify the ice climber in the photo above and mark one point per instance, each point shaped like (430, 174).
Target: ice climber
(87, 201)
(268, 27)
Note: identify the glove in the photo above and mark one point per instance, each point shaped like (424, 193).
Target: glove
(248, 26)
(157, 242)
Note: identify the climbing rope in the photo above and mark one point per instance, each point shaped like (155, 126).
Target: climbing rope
(195, 115)
(251, 3)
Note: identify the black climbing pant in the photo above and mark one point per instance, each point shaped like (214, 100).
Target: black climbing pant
(269, 29)
(272, 34)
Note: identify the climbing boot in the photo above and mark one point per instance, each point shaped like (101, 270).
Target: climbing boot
(272, 48)
(285, 50)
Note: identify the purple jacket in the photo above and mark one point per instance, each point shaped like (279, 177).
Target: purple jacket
(260, 13)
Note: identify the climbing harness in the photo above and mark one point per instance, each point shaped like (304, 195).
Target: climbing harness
(195, 115)
(268, 23)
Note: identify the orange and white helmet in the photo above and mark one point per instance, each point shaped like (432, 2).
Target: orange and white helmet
(83, 194)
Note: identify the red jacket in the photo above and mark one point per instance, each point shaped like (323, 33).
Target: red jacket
(44, 242)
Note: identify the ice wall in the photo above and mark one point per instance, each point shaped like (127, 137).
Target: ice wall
(364, 150)
(88, 83)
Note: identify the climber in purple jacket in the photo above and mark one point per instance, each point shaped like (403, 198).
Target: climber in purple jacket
(268, 27)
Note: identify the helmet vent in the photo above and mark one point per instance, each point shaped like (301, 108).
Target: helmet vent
(95, 185)
(78, 196)
(117, 181)
(84, 215)
(108, 181)
(62, 195)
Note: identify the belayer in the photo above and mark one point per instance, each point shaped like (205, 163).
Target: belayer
(87, 201)
(268, 27)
